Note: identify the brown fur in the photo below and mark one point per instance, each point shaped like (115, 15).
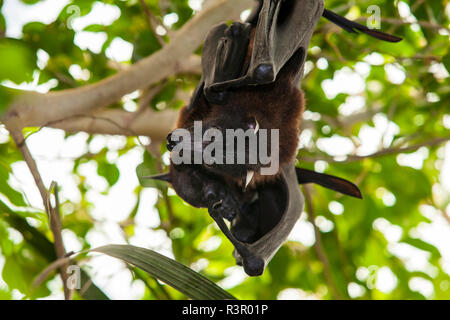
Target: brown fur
(276, 106)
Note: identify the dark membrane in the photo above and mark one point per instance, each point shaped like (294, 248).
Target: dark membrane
(265, 222)
(259, 215)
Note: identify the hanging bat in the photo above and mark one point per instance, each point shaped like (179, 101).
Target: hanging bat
(251, 73)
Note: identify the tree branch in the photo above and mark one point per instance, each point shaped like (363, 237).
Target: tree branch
(52, 212)
(34, 109)
(385, 152)
(56, 227)
(155, 125)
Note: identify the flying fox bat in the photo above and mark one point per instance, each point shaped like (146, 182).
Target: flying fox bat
(251, 73)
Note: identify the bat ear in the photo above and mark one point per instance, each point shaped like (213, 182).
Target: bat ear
(351, 26)
(345, 187)
(161, 177)
(328, 181)
(293, 65)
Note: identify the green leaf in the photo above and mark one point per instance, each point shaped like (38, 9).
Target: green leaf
(2, 23)
(109, 172)
(166, 94)
(6, 97)
(18, 273)
(95, 28)
(14, 196)
(30, 1)
(173, 273)
(418, 243)
(143, 171)
(446, 61)
(17, 61)
(145, 45)
(146, 169)
(5, 295)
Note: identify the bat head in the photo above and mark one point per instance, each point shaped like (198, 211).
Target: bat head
(228, 145)
(250, 136)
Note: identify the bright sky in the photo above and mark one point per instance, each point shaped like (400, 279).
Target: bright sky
(54, 156)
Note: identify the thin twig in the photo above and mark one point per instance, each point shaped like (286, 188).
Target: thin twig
(416, 5)
(168, 203)
(94, 118)
(152, 22)
(445, 215)
(335, 48)
(148, 95)
(64, 79)
(56, 227)
(54, 219)
(401, 22)
(433, 203)
(19, 140)
(57, 264)
(384, 152)
(318, 246)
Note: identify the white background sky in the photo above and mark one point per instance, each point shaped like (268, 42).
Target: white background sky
(54, 156)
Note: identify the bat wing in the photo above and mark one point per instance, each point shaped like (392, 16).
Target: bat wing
(328, 181)
(281, 29)
(279, 206)
(223, 58)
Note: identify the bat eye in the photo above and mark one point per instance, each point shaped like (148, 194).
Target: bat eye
(254, 125)
(211, 195)
(170, 143)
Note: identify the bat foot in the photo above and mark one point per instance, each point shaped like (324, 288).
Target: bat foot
(253, 266)
(222, 209)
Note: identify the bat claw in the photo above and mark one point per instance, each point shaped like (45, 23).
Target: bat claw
(264, 73)
(217, 204)
(257, 127)
(249, 178)
(221, 209)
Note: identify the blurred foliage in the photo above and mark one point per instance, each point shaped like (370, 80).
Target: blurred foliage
(356, 245)
(192, 284)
